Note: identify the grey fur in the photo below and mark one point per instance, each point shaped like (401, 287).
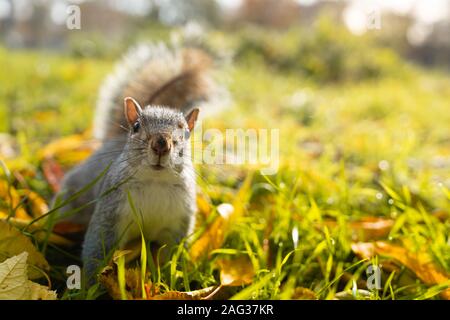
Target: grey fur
(165, 198)
(130, 171)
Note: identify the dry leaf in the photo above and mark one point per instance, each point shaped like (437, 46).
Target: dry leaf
(236, 272)
(13, 199)
(371, 228)
(13, 278)
(69, 150)
(368, 228)
(108, 278)
(53, 173)
(40, 292)
(37, 204)
(69, 228)
(214, 236)
(421, 263)
(359, 294)
(210, 240)
(13, 242)
(301, 293)
(39, 232)
(14, 284)
(184, 295)
(203, 205)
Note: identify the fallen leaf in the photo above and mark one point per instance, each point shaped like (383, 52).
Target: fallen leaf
(39, 232)
(68, 228)
(368, 228)
(203, 205)
(236, 272)
(184, 295)
(14, 284)
(13, 278)
(359, 294)
(69, 150)
(421, 263)
(13, 242)
(40, 292)
(13, 200)
(37, 205)
(108, 278)
(214, 236)
(53, 173)
(301, 293)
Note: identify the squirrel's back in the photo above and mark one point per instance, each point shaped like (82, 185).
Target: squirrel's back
(153, 74)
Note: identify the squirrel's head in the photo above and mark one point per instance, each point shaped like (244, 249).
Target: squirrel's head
(159, 136)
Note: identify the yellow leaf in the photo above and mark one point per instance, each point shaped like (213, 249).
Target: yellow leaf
(37, 204)
(13, 242)
(421, 263)
(13, 278)
(211, 239)
(14, 284)
(108, 278)
(368, 228)
(69, 150)
(12, 199)
(301, 293)
(214, 236)
(39, 232)
(184, 295)
(40, 292)
(236, 272)
(204, 207)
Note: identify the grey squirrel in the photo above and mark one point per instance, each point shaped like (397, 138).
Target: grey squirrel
(154, 95)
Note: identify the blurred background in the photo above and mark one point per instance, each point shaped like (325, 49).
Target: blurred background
(417, 29)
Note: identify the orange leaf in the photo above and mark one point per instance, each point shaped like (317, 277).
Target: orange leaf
(52, 173)
(301, 293)
(37, 204)
(214, 236)
(236, 272)
(203, 205)
(368, 228)
(39, 232)
(211, 239)
(13, 200)
(69, 150)
(69, 228)
(184, 295)
(420, 262)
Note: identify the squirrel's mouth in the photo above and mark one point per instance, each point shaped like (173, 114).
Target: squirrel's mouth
(157, 167)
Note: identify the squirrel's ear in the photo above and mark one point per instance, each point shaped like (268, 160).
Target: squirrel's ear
(191, 118)
(132, 110)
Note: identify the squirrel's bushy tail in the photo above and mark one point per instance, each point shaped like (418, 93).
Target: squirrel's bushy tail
(153, 74)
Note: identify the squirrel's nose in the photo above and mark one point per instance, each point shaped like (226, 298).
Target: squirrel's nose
(160, 145)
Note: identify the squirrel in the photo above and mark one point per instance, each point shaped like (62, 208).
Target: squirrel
(145, 114)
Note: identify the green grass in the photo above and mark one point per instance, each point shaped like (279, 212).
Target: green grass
(377, 147)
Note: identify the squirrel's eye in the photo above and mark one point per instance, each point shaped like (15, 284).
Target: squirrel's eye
(136, 126)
